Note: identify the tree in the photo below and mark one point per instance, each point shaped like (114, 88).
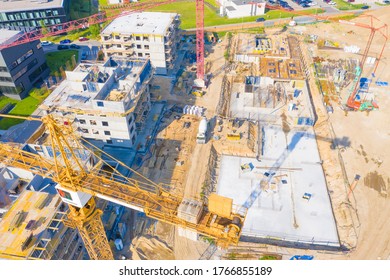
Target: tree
(95, 30)
(100, 55)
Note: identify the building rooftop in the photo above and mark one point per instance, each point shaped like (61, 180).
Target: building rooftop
(295, 205)
(246, 2)
(28, 5)
(87, 86)
(26, 222)
(7, 35)
(141, 23)
(22, 132)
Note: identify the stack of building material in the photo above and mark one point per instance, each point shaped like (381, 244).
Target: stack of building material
(351, 49)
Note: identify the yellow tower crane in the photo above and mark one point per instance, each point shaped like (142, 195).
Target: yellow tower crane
(78, 184)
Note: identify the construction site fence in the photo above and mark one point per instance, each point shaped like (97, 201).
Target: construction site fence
(272, 238)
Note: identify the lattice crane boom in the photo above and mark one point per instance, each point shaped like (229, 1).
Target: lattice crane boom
(76, 180)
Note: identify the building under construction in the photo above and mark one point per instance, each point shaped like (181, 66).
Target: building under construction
(108, 102)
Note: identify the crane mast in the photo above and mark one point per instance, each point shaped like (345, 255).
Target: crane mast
(200, 40)
(88, 222)
(78, 185)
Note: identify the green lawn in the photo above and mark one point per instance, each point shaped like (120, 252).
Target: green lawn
(29, 104)
(23, 107)
(57, 59)
(6, 100)
(188, 15)
(343, 5)
(213, 3)
(103, 3)
(381, 4)
(73, 36)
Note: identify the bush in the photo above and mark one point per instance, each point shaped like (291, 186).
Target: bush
(100, 55)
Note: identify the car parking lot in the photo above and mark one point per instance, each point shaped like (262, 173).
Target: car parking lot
(302, 4)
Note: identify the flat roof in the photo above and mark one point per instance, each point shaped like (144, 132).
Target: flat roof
(6, 34)
(141, 23)
(14, 232)
(28, 5)
(295, 205)
(22, 132)
(230, 8)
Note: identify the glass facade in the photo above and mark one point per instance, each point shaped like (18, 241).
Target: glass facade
(32, 18)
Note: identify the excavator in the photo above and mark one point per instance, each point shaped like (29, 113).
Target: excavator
(78, 184)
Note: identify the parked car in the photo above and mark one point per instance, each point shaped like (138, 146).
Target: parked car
(260, 19)
(46, 43)
(305, 5)
(81, 39)
(65, 41)
(74, 46)
(365, 7)
(62, 47)
(386, 2)
(332, 3)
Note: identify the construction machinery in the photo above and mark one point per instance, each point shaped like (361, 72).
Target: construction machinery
(382, 29)
(78, 184)
(353, 184)
(375, 25)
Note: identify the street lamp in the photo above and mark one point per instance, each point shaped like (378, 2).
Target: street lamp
(280, 17)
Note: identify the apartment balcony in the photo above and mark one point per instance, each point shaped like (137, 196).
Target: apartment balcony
(168, 43)
(113, 40)
(168, 57)
(127, 39)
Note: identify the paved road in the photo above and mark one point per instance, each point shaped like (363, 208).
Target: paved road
(90, 48)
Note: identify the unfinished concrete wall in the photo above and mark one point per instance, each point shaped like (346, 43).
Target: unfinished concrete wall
(210, 182)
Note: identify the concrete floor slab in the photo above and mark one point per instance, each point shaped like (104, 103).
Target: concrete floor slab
(295, 205)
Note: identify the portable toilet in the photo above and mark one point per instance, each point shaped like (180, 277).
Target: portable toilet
(118, 244)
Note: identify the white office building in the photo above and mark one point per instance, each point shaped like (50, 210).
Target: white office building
(242, 8)
(107, 102)
(144, 35)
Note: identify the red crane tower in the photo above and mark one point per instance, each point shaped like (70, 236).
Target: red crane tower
(382, 29)
(199, 43)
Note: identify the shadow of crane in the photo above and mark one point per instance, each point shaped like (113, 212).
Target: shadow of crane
(336, 143)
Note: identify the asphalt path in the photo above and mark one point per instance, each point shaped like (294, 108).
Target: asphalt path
(89, 48)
